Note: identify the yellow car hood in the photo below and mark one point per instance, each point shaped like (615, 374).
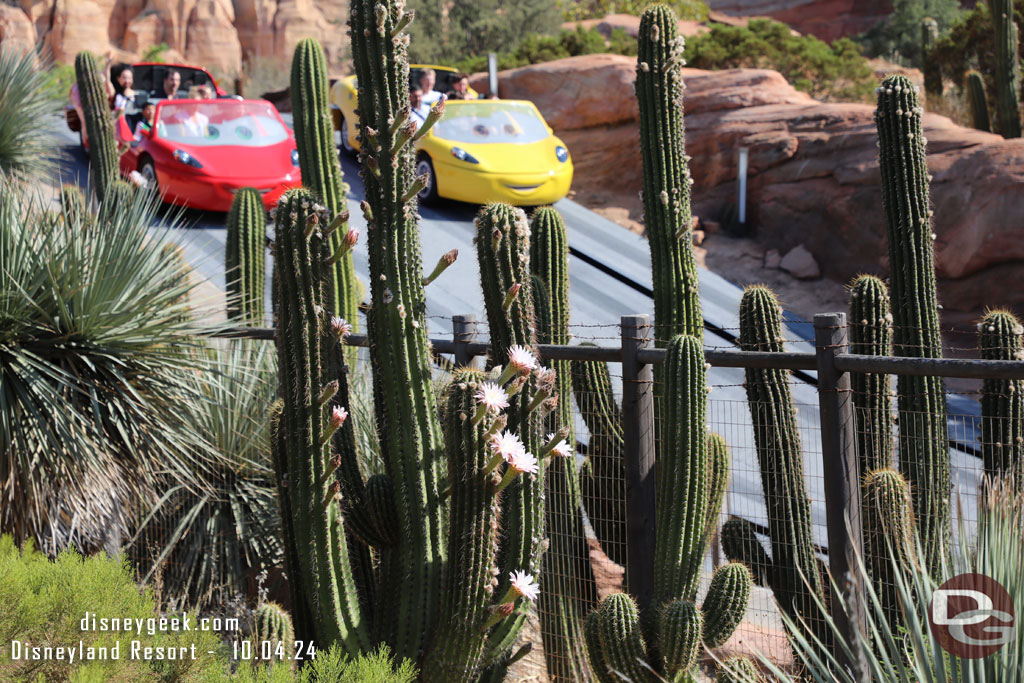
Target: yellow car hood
(498, 157)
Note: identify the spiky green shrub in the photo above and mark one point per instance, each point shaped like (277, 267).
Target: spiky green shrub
(320, 167)
(1002, 400)
(43, 601)
(871, 335)
(245, 254)
(204, 545)
(73, 202)
(104, 167)
(564, 602)
(378, 666)
(1007, 65)
(95, 362)
(27, 124)
(792, 569)
(974, 84)
(923, 449)
(915, 653)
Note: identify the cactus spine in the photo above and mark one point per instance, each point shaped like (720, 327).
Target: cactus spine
(924, 455)
(666, 184)
(871, 334)
(104, 166)
(1002, 400)
(975, 86)
(245, 257)
(782, 470)
(318, 162)
(738, 670)
(1007, 68)
(273, 626)
(889, 545)
(570, 587)
(932, 73)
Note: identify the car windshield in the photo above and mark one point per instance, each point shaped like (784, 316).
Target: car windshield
(220, 122)
(487, 122)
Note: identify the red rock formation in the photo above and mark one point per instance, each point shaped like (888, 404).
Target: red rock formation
(813, 177)
(826, 19)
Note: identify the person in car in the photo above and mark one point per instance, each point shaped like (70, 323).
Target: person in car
(146, 124)
(460, 88)
(123, 93)
(418, 109)
(427, 79)
(172, 81)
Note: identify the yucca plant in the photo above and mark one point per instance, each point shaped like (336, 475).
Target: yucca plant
(27, 124)
(95, 358)
(206, 545)
(915, 655)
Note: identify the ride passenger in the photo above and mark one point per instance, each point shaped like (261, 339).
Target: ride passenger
(172, 81)
(124, 95)
(427, 79)
(418, 109)
(460, 88)
(146, 124)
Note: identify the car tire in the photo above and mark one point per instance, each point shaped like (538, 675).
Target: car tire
(148, 170)
(428, 195)
(345, 144)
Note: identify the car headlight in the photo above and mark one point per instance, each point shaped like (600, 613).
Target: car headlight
(187, 159)
(562, 153)
(295, 157)
(463, 155)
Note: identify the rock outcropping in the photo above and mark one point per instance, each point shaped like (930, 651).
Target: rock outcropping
(217, 34)
(826, 19)
(813, 177)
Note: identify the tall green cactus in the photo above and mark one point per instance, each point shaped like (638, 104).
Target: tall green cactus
(793, 573)
(73, 204)
(570, 588)
(1002, 400)
(666, 178)
(871, 335)
(889, 547)
(929, 67)
(273, 631)
(975, 86)
(923, 449)
(245, 257)
(1007, 68)
(104, 165)
(318, 162)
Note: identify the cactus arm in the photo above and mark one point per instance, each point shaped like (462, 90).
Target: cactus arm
(245, 257)
(726, 602)
(740, 544)
(889, 545)
(718, 481)
(924, 453)
(781, 460)
(273, 625)
(592, 637)
(1002, 400)
(104, 165)
(666, 178)
(739, 670)
(680, 630)
(1007, 68)
(319, 165)
(409, 429)
(871, 335)
(622, 644)
(975, 87)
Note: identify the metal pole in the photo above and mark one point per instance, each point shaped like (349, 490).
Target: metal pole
(842, 482)
(741, 171)
(492, 74)
(463, 333)
(638, 433)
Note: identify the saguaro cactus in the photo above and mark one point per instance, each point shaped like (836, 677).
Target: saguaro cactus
(924, 453)
(104, 166)
(245, 257)
(569, 587)
(273, 632)
(792, 571)
(1007, 68)
(975, 86)
(889, 547)
(871, 334)
(932, 74)
(318, 162)
(1002, 400)
(667, 181)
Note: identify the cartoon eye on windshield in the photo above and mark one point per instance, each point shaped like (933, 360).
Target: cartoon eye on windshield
(243, 132)
(510, 129)
(481, 130)
(212, 133)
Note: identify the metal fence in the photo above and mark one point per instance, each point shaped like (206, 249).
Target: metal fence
(827, 422)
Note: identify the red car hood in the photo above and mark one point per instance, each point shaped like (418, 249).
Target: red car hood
(241, 163)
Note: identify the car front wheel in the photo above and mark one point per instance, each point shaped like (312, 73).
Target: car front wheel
(428, 194)
(148, 171)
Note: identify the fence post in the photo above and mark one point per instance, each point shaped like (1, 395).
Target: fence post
(842, 480)
(638, 434)
(463, 332)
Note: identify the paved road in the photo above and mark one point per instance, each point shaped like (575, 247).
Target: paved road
(597, 301)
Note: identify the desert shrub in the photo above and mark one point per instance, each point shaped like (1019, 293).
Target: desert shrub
(28, 101)
(154, 53)
(897, 38)
(575, 10)
(831, 72)
(376, 667)
(43, 602)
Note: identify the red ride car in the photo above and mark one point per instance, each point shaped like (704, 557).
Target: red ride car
(200, 152)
